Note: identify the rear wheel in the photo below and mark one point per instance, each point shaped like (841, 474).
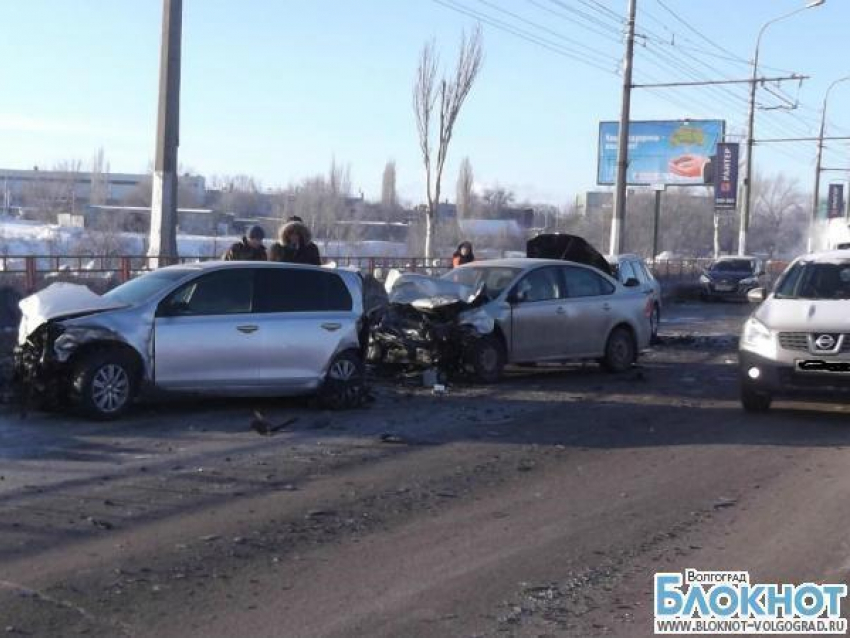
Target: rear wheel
(104, 383)
(345, 383)
(620, 351)
(654, 322)
(754, 401)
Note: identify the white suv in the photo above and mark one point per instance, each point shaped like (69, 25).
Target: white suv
(797, 342)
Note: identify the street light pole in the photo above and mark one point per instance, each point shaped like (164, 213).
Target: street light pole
(748, 174)
(818, 164)
(618, 219)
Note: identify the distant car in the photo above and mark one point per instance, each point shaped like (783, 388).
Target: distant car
(224, 328)
(797, 342)
(553, 310)
(631, 271)
(732, 278)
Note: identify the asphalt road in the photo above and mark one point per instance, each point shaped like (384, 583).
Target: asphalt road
(539, 507)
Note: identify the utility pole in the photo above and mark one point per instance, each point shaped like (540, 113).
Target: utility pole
(745, 210)
(659, 189)
(163, 233)
(819, 164)
(618, 220)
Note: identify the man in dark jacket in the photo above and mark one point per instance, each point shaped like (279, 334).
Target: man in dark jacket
(250, 248)
(296, 244)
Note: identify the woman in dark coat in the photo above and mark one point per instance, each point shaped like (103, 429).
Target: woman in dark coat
(463, 254)
(296, 245)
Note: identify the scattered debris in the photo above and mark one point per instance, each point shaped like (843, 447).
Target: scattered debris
(99, 523)
(392, 438)
(261, 425)
(209, 538)
(722, 503)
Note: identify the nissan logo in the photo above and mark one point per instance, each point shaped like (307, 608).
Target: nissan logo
(825, 342)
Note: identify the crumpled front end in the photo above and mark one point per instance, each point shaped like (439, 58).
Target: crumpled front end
(415, 333)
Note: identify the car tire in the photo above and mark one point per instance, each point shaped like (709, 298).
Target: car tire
(620, 351)
(753, 401)
(345, 383)
(104, 384)
(654, 323)
(486, 358)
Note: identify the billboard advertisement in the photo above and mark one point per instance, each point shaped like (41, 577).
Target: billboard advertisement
(835, 202)
(725, 177)
(674, 152)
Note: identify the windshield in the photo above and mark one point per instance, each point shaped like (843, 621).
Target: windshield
(815, 281)
(494, 278)
(142, 288)
(733, 265)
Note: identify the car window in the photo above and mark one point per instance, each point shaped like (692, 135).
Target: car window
(642, 273)
(816, 281)
(582, 282)
(542, 284)
(297, 290)
(224, 292)
(732, 265)
(494, 278)
(626, 271)
(146, 286)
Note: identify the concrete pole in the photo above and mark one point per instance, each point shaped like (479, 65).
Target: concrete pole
(618, 219)
(163, 233)
(658, 192)
(818, 166)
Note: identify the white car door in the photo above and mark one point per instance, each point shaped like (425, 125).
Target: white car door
(537, 317)
(589, 316)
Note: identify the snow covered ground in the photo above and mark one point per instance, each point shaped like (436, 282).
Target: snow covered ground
(21, 238)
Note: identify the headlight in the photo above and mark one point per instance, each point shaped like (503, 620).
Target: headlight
(64, 344)
(704, 279)
(749, 281)
(757, 338)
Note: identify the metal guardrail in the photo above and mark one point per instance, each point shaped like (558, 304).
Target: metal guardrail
(31, 272)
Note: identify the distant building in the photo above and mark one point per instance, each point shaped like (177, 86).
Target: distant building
(190, 221)
(595, 203)
(80, 187)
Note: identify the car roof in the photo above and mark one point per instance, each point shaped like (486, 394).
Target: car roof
(202, 266)
(827, 256)
(523, 262)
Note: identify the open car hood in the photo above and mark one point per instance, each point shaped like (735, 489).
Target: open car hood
(568, 248)
(60, 300)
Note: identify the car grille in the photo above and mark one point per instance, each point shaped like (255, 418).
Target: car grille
(800, 341)
(794, 341)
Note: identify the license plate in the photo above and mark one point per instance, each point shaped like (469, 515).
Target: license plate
(818, 366)
(725, 287)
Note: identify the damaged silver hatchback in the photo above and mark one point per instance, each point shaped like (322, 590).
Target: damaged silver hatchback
(225, 328)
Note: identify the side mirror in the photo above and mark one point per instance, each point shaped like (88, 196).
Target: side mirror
(173, 309)
(756, 295)
(631, 282)
(517, 296)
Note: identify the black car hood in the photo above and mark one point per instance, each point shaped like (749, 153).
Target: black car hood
(568, 248)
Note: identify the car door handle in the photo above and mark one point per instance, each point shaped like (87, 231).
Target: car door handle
(247, 329)
(606, 306)
(331, 327)
(561, 310)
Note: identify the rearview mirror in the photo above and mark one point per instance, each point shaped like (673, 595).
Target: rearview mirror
(631, 282)
(756, 295)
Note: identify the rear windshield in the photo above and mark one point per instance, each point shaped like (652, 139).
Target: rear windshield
(143, 288)
(815, 281)
(494, 278)
(733, 265)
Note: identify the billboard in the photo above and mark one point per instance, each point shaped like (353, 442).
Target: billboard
(835, 202)
(725, 177)
(675, 152)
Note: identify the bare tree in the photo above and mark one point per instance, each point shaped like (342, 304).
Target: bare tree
(465, 197)
(389, 198)
(451, 94)
(497, 199)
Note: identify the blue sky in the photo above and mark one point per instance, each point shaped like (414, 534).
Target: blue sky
(276, 88)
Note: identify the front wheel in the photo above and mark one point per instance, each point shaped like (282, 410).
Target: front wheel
(620, 351)
(486, 357)
(103, 384)
(345, 384)
(753, 401)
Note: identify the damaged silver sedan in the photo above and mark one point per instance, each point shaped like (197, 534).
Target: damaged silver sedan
(225, 328)
(480, 316)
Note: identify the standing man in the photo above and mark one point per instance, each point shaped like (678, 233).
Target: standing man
(250, 248)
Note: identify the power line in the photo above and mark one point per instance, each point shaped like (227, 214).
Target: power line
(606, 33)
